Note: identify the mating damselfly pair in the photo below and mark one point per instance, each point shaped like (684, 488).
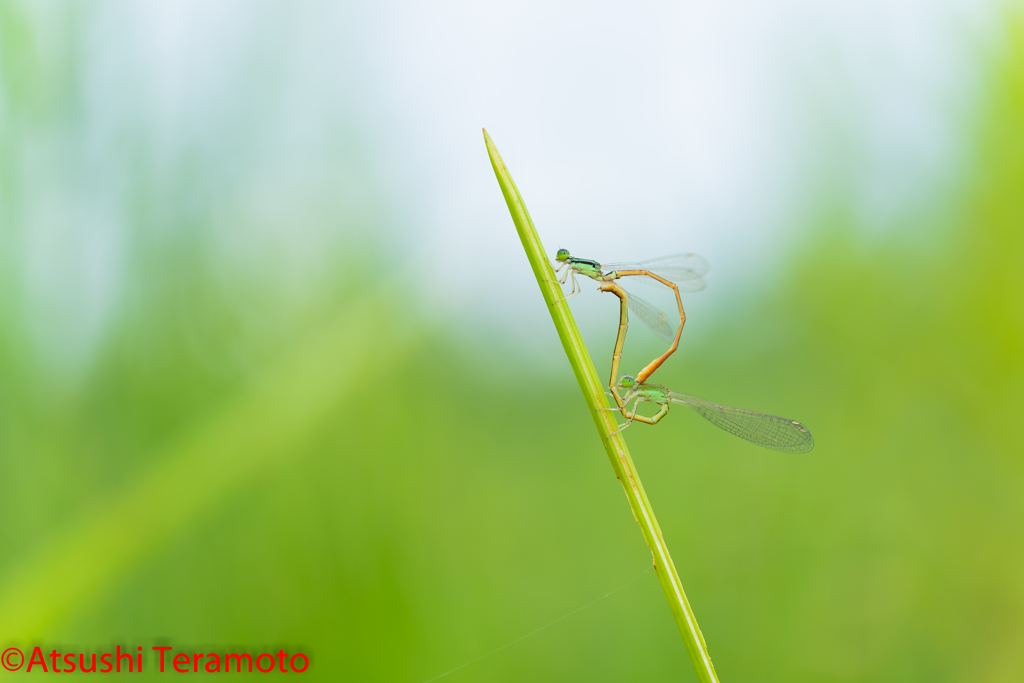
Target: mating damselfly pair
(680, 273)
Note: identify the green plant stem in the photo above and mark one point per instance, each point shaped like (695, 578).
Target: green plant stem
(594, 395)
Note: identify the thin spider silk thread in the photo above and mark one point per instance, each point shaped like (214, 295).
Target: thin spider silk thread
(566, 616)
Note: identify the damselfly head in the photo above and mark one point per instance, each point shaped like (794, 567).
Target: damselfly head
(627, 381)
(562, 255)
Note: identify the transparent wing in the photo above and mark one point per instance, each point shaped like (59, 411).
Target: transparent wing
(650, 316)
(676, 267)
(692, 262)
(770, 431)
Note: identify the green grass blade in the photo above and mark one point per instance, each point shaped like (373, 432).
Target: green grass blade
(594, 395)
(252, 434)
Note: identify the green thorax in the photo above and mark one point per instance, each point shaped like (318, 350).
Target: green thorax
(584, 266)
(654, 393)
(591, 269)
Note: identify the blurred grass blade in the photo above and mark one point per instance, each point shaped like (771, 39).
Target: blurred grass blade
(252, 436)
(594, 395)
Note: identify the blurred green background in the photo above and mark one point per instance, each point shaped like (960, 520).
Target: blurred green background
(253, 393)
